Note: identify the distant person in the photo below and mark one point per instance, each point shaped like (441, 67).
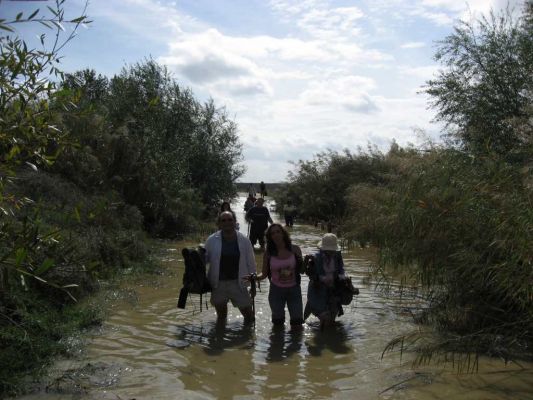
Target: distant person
(262, 189)
(226, 206)
(288, 213)
(251, 190)
(282, 264)
(249, 203)
(324, 269)
(259, 217)
(230, 256)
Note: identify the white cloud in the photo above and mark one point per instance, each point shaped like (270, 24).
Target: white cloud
(438, 18)
(412, 45)
(423, 72)
(349, 92)
(337, 23)
(242, 87)
(200, 59)
(318, 74)
(146, 16)
(291, 8)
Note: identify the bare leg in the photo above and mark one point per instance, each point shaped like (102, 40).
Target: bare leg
(248, 314)
(222, 313)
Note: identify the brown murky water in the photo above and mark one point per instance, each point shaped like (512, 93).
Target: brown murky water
(149, 349)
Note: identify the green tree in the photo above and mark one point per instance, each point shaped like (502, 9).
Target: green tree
(181, 144)
(487, 81)
(29, 132)
(319, 187)
(149, 139)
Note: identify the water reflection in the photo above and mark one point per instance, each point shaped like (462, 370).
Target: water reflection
(333, 338)
(223, 336)
(215, 337)
(283, 344)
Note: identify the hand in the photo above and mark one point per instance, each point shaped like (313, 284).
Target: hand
(249, 278)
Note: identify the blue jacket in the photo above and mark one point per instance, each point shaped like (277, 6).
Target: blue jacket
(319, 263)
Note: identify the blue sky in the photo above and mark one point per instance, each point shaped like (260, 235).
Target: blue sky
(298, 76)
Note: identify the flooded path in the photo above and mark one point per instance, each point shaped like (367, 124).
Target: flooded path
(149, 349)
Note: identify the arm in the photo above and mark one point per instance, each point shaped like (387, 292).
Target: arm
(340, 265)
(269, 219)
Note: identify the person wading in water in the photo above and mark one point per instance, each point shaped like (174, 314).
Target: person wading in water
(283, 264)
(230, 256)
(259, 216)
(262, 189)
(323, 269)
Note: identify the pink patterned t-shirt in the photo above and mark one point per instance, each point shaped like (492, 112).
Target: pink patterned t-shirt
(283, 271)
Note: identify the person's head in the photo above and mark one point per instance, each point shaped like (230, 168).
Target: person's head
(276, 233)
(259, 202)
(225, 206)
(328, 243)
(226, 221)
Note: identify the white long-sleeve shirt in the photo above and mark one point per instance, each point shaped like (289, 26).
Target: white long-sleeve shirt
(213, 247)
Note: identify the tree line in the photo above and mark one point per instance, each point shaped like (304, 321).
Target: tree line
(454, 218)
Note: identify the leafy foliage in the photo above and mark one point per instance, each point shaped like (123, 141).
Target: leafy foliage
(462, 227)
(152, 141)
(29, 135)
(486, 82)
(319, 186)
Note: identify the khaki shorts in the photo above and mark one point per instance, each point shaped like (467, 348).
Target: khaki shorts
(231, 290)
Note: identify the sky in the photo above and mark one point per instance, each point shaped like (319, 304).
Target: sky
(297, 76)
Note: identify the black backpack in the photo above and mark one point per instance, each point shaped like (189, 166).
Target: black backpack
(345, 290)
(195, 277)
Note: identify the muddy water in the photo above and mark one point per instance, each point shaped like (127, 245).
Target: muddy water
(149, 349)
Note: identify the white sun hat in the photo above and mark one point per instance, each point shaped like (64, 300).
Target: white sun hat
(329, 242)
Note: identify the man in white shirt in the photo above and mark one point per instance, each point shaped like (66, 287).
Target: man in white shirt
(231, 258)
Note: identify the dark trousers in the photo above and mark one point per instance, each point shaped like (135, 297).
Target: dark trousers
(257, 233)
(278, 297)
(289, 220)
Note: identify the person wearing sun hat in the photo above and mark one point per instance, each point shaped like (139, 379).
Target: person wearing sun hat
(324, 268)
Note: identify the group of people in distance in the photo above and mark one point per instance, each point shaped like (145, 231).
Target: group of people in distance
(232, 267)
(262, 190)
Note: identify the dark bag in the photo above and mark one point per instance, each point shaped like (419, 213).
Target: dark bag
(310, 268)
(299, 264)
(345, 290)
(195, 276)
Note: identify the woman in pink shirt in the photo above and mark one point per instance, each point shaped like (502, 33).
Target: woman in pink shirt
(282, 264)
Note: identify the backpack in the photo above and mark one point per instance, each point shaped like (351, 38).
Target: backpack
(345, 290)
(195, 277)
